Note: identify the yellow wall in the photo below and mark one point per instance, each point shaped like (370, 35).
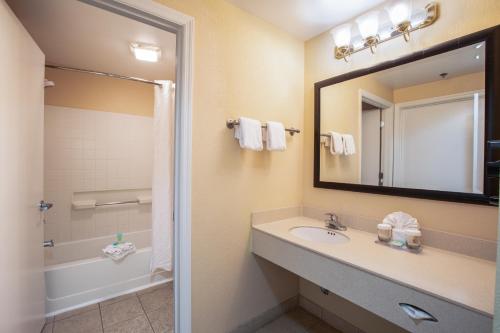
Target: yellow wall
(473, 220)
(341, 112)
(99, 93)
(459, 84)
(243, 67)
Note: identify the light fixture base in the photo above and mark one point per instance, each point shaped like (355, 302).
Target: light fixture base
(342, 52)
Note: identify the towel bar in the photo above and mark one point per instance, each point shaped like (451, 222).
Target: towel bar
(230, 123)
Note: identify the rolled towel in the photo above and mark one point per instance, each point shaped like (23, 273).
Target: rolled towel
(276, 137)
(249, 134)
(336, 145)
(349, 145)
(401, 220)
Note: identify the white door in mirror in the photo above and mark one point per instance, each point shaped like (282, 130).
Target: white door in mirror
(321, 235)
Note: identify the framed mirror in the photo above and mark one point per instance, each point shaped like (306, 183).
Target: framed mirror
(426, 125)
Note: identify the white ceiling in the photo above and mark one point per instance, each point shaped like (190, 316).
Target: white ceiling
(75, 34)
(306, 18)
(457, 62)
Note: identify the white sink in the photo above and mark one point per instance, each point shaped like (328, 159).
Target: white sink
(321, 235)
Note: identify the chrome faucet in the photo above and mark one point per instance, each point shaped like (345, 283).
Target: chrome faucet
(333, 222)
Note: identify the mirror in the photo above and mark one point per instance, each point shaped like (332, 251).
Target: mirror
(414, 129)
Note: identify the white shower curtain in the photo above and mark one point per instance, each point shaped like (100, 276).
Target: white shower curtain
(163, 182)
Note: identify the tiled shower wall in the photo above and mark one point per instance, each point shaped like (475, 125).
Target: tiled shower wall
(101, 155)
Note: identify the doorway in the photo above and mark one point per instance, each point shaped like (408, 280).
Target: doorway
(180, 26)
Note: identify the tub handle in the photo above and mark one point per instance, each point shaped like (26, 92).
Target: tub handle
(48, 243)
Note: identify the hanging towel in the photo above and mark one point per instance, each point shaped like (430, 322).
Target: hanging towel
(276, 138)
(249, 133)
(162, 187)
(336, 144)
(349, 145)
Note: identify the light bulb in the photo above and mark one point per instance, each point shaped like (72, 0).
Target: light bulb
(399, 12)
(368, 24)
(342, 35)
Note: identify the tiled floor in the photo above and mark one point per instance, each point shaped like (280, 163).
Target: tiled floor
(147, 311)
(297, 321)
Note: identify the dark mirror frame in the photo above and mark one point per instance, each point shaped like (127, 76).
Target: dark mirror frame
(491, 37)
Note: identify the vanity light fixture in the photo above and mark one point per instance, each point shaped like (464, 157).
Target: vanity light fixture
(342, 38)
(145, 52)
(404, 19)
(400, 15)
(368, 28)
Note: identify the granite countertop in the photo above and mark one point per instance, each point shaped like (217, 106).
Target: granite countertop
(466, 281)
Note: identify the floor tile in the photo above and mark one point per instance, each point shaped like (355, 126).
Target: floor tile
(48, 328)
(121, 311)
(117, 299)
(162, 320)
(76, 312)
(88, 322)
(138, 324)
(295, 321)
(302, 317)
(322, 328)
(156, 299)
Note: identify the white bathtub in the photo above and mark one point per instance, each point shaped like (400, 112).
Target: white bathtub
(80, 283)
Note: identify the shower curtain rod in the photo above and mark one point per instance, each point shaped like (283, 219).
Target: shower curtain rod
(116, 76)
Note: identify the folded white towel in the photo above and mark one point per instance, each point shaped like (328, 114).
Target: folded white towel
(336, 144)
(349, 145)
(119, 251)
(276, 137)
(401, 220)
(249, 133)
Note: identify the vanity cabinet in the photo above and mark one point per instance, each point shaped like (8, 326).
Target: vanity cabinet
(374, 293)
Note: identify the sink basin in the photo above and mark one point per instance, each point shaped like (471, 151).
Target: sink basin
(320, 235)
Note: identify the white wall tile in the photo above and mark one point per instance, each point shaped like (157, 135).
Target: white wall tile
(92, 151)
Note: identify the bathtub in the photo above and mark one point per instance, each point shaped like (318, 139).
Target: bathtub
(79, 283)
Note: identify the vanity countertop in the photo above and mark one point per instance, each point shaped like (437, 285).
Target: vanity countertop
(466, 281)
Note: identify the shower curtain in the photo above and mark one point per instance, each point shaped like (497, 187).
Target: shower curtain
(163, 181)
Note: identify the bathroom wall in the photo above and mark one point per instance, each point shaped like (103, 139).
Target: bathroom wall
(243, 67)
(86, 91)
(458, 18)
(456, 85)
(96, 147)
(472, 220)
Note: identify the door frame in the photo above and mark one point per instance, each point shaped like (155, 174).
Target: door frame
(163, 17)
(399, 133)
(387, 109)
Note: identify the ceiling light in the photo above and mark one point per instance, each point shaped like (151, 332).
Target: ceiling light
(145, 52)
(479, 45)
(477, 57)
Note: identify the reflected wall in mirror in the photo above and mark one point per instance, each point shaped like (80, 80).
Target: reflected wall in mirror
(419, 126)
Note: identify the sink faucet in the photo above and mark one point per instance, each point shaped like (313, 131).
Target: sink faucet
(333, 222)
